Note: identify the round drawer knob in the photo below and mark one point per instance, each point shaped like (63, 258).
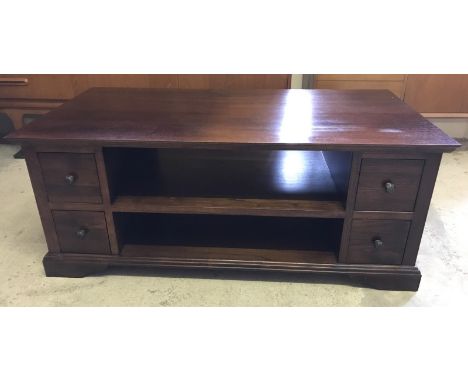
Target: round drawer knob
(81, 233)
(389, 187)
(70, 178)
(377, 243)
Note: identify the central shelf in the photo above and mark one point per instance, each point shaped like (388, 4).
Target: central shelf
(297, 183)
(230, 206)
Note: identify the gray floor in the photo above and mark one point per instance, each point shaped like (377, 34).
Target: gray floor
(443, 260)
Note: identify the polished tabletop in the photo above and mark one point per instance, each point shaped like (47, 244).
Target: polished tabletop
(295, 118)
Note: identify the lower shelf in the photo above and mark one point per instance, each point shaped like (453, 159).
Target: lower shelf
(230, 206)
(239, 256)
(271, 236)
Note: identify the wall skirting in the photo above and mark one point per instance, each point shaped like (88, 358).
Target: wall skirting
(455, 127)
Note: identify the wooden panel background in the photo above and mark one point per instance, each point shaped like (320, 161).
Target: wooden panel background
(40, 93)
(437, 93)
(63, 87)
(38, 86)
(361, 77)
(444, 94)
(393, 82)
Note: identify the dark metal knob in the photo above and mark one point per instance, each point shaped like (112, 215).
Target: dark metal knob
(70, 178)
(81, 233)
(389, 187)
(377, 243)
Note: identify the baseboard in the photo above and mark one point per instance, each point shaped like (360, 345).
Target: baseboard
(454, 127)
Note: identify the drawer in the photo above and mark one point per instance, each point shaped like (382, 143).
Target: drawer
(81, 231)
(70, 177)
(36, 86)
(378, 241)
(388, 184)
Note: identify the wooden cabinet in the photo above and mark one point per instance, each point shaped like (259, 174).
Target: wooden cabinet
(37, 94)
(393, 82)
(63, 87)
(234, 81)
(82, 82)
(361, 77)
(437, 93)
(36, 86)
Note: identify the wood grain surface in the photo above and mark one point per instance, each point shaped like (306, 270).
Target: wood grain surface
(295, 118)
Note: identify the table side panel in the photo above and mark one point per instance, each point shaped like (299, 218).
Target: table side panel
(40, 194)
(426, 188)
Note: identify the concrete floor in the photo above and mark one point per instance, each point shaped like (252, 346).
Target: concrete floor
(443, 260)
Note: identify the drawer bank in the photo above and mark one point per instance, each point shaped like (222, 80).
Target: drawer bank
(298, 181)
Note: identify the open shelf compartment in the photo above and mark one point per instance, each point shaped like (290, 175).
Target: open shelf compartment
(187, 237)
(228, 181)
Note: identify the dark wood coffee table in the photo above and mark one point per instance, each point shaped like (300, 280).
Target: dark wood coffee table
(309, 181)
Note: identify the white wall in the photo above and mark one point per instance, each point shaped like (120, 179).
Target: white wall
(296, 81)
(455, 127)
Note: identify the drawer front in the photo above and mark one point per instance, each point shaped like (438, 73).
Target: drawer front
(378, 241)
(36, 86)
(388, 184)
(82, 231)
(70, 177)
